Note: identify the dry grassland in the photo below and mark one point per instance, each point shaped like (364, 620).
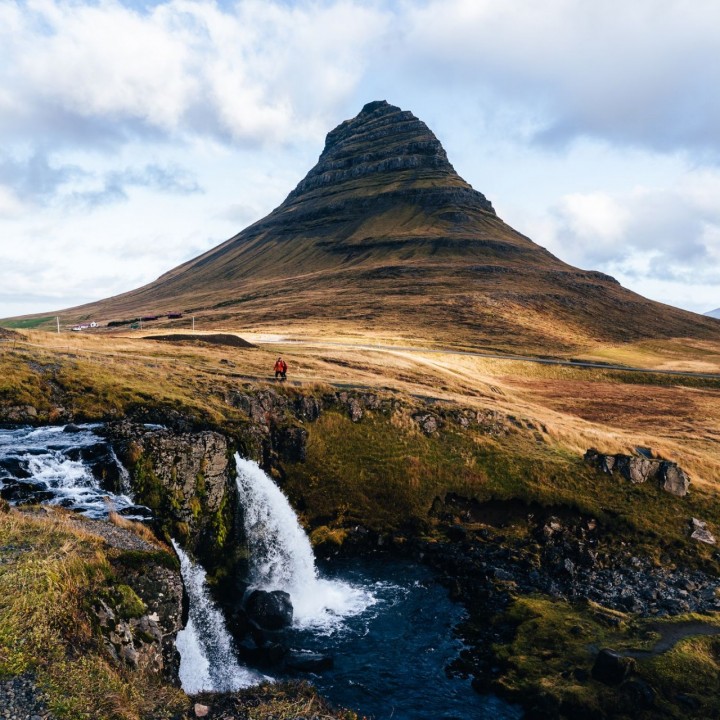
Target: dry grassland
(615, 411)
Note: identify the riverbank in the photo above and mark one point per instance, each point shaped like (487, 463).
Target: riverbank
(455, 482)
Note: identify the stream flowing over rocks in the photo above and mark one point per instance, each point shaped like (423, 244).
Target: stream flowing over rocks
(286, 616)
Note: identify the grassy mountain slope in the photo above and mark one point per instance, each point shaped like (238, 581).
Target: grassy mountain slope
(383, 233)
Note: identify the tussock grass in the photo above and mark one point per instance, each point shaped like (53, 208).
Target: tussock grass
(556, 639)
(50, 570)
(384, 468)
(138, 528)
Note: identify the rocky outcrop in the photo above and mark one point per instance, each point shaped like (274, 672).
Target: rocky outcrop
(700, 532)
(377, 148)
(269, 610)
(187, 480)
(674, 479)
(640, 469)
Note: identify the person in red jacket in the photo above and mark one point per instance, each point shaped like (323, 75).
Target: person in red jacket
(280, 369)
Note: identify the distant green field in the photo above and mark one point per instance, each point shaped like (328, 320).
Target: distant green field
(28, 324)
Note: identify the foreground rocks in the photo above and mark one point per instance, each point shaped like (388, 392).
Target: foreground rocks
(700, 532)
(559, 557)
(639, 469)
(21, 699)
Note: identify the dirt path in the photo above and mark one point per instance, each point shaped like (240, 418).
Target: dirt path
(496, 356)
(673, 633)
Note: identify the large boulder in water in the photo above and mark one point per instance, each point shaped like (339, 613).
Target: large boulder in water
(269, 610)
(305, 661)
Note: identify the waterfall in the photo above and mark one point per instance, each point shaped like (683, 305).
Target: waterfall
(125, 481)
(207, 657)
(281, 557)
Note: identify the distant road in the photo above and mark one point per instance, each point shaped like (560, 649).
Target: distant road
(498, 356)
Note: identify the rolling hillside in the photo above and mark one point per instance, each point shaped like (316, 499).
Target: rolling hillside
(383, 236)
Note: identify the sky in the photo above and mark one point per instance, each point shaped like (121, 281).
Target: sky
(135, 135)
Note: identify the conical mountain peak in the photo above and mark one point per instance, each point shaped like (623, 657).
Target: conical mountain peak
(383, 149)
(383, 233)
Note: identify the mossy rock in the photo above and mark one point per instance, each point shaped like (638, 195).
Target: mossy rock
(127, 602)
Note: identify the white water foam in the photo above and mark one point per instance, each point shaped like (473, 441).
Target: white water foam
(281, 557)
(207, 657)
(40, 459)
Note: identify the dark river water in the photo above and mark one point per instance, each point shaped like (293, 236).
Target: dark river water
(390, 643)
(390, 660)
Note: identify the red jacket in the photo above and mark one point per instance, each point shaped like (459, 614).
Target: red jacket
(280, 366)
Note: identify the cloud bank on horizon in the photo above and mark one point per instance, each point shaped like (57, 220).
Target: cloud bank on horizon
(135, 135)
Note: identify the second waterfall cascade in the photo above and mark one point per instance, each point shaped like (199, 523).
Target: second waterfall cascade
(281, 557)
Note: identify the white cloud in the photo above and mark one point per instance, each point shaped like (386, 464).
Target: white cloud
(641, 73)
(261, 71)
(104, 100)
(665, 240)
(10, 204)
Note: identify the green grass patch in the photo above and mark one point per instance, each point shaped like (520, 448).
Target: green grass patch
(384, 473)
(28, 323)
(692, 668)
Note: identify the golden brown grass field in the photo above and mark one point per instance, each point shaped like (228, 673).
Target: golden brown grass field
(677, 416)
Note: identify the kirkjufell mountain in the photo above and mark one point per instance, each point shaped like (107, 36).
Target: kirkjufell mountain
(383, 235)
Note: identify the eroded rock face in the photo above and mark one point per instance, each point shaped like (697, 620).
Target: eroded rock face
(187, 480)
(140, 615)
(191, 466)
(638, 469)
(380, 146)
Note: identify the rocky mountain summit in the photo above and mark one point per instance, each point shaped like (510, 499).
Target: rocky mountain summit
(379, 145)
(383, 232)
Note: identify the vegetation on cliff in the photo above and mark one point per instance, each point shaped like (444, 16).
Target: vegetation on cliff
(53, 570)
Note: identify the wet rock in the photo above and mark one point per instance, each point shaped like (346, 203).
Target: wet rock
(700, 532)
(266, 655)
(14, 467)
(269, 610)
(304, 661)
(611, 668)
(101, 461)
(72, 428)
